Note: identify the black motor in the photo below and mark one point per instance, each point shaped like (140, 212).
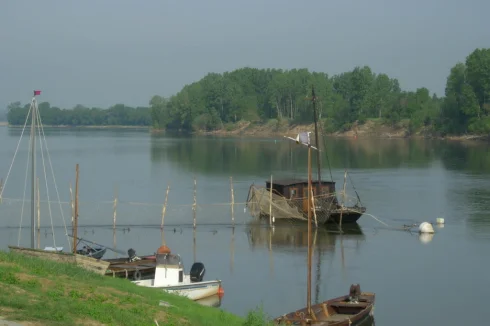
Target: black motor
(354, 292)
(131, 254)
(197, 272)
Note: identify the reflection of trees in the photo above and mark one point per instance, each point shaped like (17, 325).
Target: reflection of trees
(238, 156)
(478, 209)
(473, 157)
(287, 235)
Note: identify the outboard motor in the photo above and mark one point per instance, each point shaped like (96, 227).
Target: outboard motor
(197, 272)
(131, 254)
(354, 292)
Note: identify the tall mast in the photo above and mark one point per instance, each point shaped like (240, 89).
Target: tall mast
(308, 293)
(33, 166)
(315, 119)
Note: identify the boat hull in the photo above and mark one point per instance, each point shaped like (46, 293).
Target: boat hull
(193, 291)
(96, 254)
(88, 263)
(334, 312)
(349, 215)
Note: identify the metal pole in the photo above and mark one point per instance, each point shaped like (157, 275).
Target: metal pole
(33, 168)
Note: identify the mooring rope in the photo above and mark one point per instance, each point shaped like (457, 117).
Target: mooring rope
(15, 154)
(25, 187)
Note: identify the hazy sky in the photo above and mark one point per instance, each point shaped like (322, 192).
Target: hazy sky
(98, 53)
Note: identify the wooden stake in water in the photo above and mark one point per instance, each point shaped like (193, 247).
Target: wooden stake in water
(72, 207)
(343, 199)
(194, 246)
(232, 260)
(194, 205)
(232, 202)
(114, 209)
(38, 216)
(164, 209)
(1, 188)
(75, 220)
(270, 203)
(313, 205)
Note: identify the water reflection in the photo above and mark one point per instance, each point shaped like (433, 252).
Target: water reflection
(249, 156)
(288, 235)
(426, 237)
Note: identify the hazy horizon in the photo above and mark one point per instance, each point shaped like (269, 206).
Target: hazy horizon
(101, 53)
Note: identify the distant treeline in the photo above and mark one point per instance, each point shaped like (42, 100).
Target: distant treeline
(217, 101)
(258, 95)
(117, 115)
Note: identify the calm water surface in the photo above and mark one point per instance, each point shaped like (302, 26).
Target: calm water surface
(418, 281)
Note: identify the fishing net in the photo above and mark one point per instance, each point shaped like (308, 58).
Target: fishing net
(260, 203)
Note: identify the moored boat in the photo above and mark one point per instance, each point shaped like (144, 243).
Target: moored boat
(348, 310)
(170, 277)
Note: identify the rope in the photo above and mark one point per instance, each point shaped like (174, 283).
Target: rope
(54, 181)
(38, 118)
(25, 185)
(15, 154)
(377, 219)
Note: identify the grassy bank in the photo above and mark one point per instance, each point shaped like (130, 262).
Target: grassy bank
(41, 292)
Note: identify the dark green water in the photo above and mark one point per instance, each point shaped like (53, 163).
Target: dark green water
(418, 281)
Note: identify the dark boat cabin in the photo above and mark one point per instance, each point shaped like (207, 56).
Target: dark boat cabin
(298, 188)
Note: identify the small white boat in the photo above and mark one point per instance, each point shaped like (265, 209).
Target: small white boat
(170, 277)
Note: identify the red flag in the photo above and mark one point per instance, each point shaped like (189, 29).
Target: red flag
(37, 93)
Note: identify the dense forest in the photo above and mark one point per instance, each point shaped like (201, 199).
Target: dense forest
(117, 115)
(218, 101)
(279, 97)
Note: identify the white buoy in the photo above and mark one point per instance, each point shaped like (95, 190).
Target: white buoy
(426, 227)
(439, 220)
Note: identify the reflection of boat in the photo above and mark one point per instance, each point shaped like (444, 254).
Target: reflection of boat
(212, 301)
(170, 277)
(287, 234)
(289, 199)
(354, 309)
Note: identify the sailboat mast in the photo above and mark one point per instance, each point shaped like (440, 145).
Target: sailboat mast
(315, 119)
(308, 294)
(33, 168)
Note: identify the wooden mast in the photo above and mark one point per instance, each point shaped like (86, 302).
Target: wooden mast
(308, 295)
(315, 119)
(75, 215)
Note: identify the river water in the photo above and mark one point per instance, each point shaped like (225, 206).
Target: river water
(439, 280)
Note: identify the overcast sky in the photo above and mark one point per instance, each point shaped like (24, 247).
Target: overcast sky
(98, 53)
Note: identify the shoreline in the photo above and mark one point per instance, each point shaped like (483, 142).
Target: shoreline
(366, 131)
(81, 127)
(246, 129)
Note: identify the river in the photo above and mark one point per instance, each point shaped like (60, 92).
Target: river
(417, 280)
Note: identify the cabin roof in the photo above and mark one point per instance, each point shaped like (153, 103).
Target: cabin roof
(291, 182)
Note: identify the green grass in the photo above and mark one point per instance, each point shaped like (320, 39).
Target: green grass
(51, 293)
